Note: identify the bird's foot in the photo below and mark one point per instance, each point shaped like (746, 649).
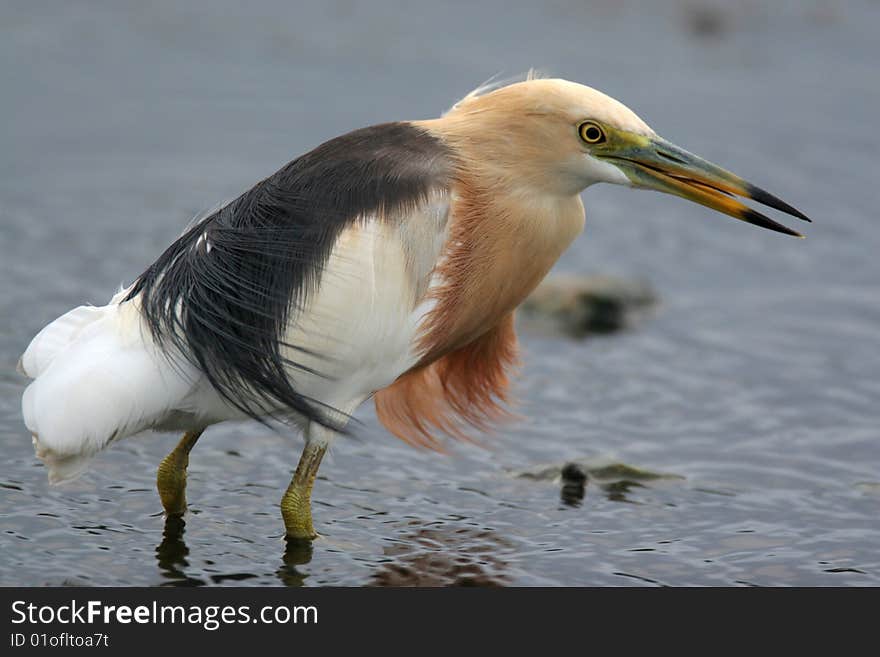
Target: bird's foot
(296, 505)
(171, 482)
(171, 476)
(296, 510)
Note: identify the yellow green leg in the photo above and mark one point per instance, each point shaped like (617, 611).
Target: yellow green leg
(296, 505)
(171, 477)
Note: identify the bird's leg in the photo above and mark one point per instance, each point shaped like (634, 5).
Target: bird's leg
(296, 505)
(171, 477)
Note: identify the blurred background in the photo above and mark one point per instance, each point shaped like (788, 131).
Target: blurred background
(752, 387)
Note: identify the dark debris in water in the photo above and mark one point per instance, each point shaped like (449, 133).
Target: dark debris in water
(615, 480)
(574, 484)
(579, 306)
(593, 470)
(574, 474)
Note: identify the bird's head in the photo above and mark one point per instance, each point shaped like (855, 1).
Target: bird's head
(557, 137)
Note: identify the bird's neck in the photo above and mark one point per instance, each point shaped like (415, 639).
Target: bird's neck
(502, 242)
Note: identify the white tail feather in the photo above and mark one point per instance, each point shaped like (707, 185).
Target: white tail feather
(98, 378)
(61, 468)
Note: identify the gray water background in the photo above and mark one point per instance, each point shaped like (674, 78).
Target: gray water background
(755, 381)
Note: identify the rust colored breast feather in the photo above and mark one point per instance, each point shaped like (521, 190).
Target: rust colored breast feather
(467, 387)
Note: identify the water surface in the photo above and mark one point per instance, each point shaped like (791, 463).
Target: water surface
(755, 382)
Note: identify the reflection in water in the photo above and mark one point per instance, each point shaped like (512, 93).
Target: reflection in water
(171, 554)
(297, 552)
(572, 494)
(444, 555)
(616, 491)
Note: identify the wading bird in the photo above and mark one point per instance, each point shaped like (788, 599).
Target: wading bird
(385, 263)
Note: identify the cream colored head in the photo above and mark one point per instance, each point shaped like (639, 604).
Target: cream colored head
(545, 138)
(528, 133)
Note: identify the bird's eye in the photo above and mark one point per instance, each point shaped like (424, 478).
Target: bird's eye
(591, 133)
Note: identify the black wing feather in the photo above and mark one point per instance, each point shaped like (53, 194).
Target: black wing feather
(223, 293)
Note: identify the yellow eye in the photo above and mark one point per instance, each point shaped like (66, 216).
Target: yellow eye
(591, 133)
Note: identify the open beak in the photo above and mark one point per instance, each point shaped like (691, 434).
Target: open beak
(657, 164)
